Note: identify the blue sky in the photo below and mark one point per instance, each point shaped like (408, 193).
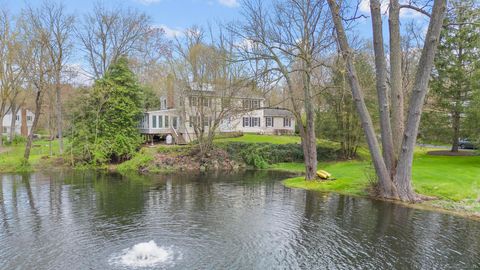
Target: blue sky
(176, 15)
(173, 15)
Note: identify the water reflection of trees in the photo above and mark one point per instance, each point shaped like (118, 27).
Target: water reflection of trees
(3, 210)
(356, 231)
(37, 220)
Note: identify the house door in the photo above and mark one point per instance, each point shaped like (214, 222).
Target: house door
(175, 122)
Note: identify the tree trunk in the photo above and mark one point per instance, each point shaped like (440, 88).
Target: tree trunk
(396, 86)
(404, 168)
(2, 110)
(310, 153)
(310, 142)
(38, 106)
(456, 130)
(58, 111)
(381, 76)
(13, 122)
(384, 181)
(51, 135)
(307, 133)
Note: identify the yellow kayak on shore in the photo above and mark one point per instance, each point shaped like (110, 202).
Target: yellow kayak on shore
(323, 174)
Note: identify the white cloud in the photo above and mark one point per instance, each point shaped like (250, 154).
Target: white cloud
(229, 3)
(171, 32)
(148, 2)
(245, 44)
(364, 7)
(409, 13)
(77, 75)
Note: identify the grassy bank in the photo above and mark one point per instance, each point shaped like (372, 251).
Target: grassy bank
(11, 157)
(455, 181)
(145, 159)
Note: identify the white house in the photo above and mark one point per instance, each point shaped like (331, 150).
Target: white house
(177, 116)
(23, 122)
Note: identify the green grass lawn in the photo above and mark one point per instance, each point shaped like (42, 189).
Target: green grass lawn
(11, 157)
(275, 139)
(448, 178)
(255, 138)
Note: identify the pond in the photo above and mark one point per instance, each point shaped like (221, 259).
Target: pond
(247, 220)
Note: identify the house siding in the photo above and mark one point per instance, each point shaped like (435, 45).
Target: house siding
(7, 120)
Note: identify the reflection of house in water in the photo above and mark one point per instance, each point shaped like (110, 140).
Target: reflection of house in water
(178, 114)
(23, 122)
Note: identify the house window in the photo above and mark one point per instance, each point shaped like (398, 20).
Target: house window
(194, 120)
(164, 103)
(160, 121)
(269, 121)
(287, 122)
(206, 121)
(251, 121)
(255, 104)
(17, 117)
(5, 130)
(197, 101)
(193, 101)
(245, 121)
(166, 121)
(255, 121)
(251, 103)
(206, 102)
(154, 121)
(29, 118)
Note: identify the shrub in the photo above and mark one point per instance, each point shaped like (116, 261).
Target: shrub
(139, 161)
(19, 140)
(255, 160)
(259, 155)
(225, 135)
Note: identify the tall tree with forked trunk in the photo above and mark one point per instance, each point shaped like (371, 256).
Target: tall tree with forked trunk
(393, 169)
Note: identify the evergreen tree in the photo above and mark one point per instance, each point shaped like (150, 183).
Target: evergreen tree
(106, 123)
(456, 64)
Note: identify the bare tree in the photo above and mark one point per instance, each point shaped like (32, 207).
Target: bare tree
(394, 179)
(107, 34)
(11, 66)
(211, 83)
(286, 42)
(60, 26)
(40, 67)
(17, 100)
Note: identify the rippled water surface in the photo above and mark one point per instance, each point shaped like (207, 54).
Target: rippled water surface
(223, 221)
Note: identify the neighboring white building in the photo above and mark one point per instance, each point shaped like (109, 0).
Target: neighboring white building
(23, 122)
(177, 116)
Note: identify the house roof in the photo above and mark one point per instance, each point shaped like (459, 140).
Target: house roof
(210, 90)
(277, 112)
(237, 95)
